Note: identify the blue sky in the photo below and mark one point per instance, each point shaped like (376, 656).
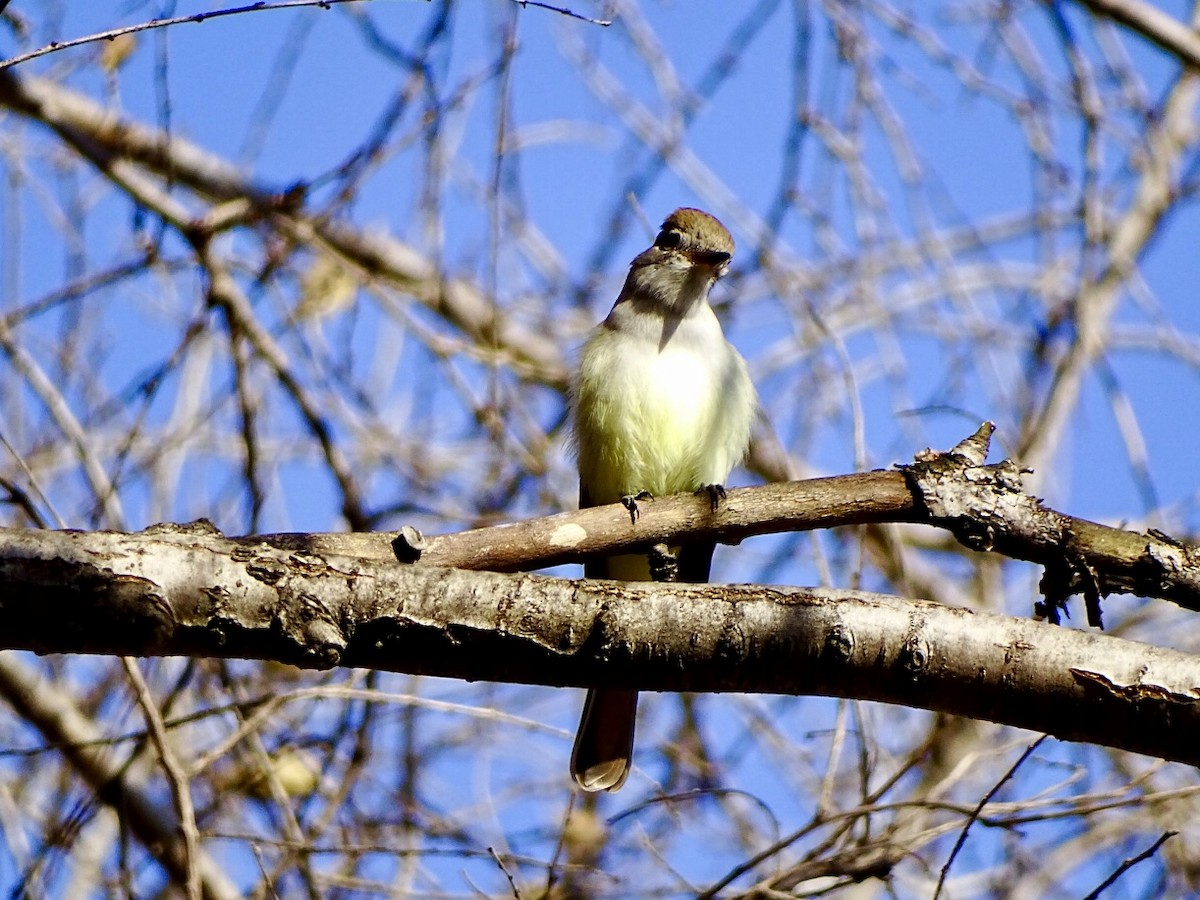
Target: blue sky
(919, 379)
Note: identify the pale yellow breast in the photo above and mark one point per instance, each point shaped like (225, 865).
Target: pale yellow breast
(658, 420)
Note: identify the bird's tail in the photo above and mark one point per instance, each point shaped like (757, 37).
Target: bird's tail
(604, 742)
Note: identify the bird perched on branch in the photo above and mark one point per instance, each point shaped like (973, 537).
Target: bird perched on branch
(662, 404)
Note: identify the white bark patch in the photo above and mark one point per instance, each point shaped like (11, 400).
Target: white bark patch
(567, 536)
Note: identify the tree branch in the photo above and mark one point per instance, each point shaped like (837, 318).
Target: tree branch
(1152, 23)
(984, 506)
(190, 591)
(91, 129)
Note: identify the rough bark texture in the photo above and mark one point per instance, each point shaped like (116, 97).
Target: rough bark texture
(190, 591)
(324, 600)
(983, 506)
(986, 509)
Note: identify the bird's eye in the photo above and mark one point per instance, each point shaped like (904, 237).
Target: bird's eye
(669, 240)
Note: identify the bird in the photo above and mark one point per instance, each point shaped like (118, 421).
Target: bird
(662, 403)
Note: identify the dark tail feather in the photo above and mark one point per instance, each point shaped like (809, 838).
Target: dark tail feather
(604, 742)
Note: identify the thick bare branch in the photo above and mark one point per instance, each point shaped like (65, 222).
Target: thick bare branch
(984, 506)
(193, 592)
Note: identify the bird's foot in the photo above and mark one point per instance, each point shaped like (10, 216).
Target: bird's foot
(715, 492)
(630, 502)
(664, 565)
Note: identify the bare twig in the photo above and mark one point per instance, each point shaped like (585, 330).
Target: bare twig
(1130, 863)
(177, 776)
(503, 868)
(113, 33)
(983, 801)
(564, 11)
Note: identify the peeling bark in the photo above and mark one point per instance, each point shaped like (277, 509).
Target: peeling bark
(191, 591)
(324, 600)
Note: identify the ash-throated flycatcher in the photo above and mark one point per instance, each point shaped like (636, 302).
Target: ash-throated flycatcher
(662, 404)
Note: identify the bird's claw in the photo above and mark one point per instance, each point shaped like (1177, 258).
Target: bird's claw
(715, 492)
(630, 502)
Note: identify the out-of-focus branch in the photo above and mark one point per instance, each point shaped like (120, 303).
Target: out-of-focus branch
(1128, 238)
(85, 125)
(63, 725)
(104, 491)
(177, 777)
(1152, 23)
(225, 293)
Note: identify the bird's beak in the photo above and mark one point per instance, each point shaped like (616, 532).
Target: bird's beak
(712, 258)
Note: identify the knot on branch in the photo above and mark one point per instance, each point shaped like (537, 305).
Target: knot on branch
(981, 505)
(1169, 568)
(201, 527)
(986, 508)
